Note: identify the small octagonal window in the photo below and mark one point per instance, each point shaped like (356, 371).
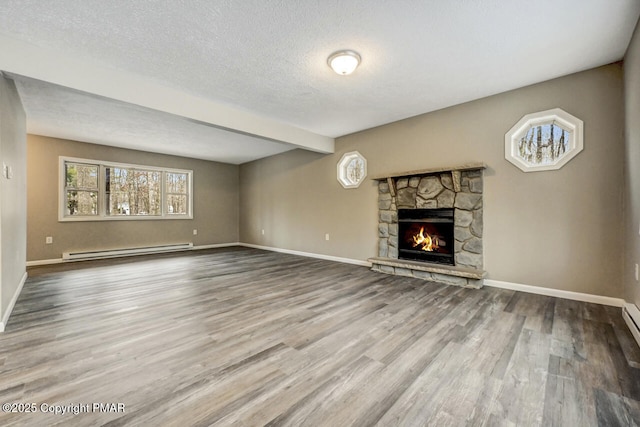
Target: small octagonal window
(352, 169)
(546, 140)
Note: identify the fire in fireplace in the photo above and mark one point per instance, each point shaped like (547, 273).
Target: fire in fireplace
(426, 235)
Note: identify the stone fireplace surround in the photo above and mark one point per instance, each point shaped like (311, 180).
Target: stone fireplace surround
(457, 187)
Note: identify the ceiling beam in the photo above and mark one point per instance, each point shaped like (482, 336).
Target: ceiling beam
(28, 60)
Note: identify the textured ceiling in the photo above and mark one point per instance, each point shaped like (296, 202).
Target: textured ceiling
(268, 57)
(69, 114)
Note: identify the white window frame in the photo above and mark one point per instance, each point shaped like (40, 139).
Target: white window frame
(343, 176)
(102, 192)
(573, 125)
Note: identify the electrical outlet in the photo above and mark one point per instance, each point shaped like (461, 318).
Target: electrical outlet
(195, 232)
(5, 170)
(263, 231)
(48, 240)
(326, 236)
(637, 273)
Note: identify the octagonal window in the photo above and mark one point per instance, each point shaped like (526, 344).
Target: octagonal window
(352, 169)
(546, 140)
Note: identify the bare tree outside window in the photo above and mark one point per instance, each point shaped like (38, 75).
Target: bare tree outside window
(177, 190)
(133, 191)
(543, 144)
(544, 141)
(81, 189)
(92, 190)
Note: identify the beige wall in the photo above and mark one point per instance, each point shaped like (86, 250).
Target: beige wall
(632, 168)
(13, 201)
(559, 229)
(215, 203)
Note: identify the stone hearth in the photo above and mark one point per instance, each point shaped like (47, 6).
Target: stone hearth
(456, 187)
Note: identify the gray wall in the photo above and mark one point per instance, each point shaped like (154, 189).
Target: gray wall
(13, 199)
(560, 229)
(215, 210)
(632, 167)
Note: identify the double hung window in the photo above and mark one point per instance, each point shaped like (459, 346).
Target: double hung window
(94, 190)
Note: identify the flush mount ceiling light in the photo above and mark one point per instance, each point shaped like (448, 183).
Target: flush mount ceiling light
(344, 62)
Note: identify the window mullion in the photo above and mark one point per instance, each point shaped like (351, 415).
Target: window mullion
(102, 192)
(163, 194)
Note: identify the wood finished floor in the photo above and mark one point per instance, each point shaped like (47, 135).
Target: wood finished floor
(243, 337)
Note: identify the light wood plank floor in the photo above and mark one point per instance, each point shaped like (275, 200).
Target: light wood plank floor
(244, 337)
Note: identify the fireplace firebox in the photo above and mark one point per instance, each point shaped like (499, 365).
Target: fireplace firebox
(426, 235)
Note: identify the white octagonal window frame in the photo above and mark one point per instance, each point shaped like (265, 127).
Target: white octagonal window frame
(570, 126)
(352, 169)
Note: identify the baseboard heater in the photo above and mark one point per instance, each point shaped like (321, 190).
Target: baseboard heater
(631, 316)
(114, 253)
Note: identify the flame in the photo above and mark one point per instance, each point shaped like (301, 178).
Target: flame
(426, 243)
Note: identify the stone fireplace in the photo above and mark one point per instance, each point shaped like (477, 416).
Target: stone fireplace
(430, 225)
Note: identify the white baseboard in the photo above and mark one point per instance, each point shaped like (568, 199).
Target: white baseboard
(309, 254)
(577, 296)
(194, 248)
(12, 303)
(44, 262)
(216, 245)
(631, 316)
(125, 252)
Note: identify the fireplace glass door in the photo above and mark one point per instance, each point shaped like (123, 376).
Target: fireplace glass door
(426, 235)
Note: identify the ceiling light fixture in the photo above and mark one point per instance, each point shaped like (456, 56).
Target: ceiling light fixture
(344, 62)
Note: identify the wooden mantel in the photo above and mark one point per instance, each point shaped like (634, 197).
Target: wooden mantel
(465, 167)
